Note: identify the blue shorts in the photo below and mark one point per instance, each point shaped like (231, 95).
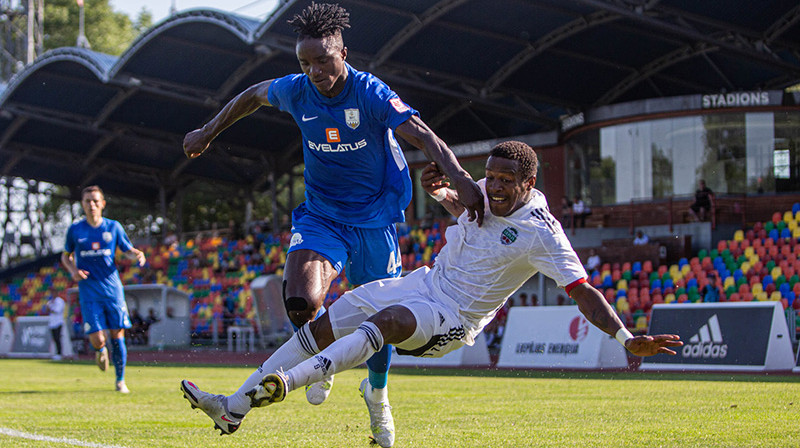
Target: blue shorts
(108, 314)
(365, 254)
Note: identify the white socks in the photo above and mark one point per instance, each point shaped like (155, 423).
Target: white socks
(345, 353)
(298, 348)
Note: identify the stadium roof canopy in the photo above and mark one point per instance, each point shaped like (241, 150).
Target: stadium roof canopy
(475, 69)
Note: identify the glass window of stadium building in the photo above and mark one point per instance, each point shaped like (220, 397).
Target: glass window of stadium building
(739, 143)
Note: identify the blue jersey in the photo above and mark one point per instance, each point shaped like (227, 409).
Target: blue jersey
(355, 172)
(93, 250)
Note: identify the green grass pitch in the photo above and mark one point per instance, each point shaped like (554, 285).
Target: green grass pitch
(74, 404)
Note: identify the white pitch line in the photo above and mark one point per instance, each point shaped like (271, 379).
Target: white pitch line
(27, 435)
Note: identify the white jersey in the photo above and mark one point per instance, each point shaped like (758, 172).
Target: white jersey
(480, 267)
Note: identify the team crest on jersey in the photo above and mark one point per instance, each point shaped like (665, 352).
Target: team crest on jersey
(107, 237)
(352, 118)
(508, 236)
(296, 239)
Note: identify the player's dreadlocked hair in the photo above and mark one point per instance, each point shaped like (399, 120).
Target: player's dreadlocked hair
(320, 20)
(514, 150)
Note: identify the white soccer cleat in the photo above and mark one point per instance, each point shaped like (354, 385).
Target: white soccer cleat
(318, 392)
(380, 417)
(101, 358)
(272, 389)
(122, 388)
(215, 406)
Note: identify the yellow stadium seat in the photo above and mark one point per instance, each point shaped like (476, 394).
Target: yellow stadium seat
(749, 252)
(757, 288)
(738, 235)
(641, 323)
(775, 296)
(788, 216)
(745, 266)
(729, 281)
(669, 298)
(622, 284)
(776, 272)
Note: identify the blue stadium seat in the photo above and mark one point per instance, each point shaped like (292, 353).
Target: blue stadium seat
(795, 208)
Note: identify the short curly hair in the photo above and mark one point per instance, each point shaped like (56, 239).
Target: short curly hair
(320, 20)
(522, 152)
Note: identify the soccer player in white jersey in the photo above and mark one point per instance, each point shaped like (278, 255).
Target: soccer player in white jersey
(431, 312)
(357, 184)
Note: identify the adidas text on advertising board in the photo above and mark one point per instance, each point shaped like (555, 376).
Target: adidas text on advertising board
(707, 343)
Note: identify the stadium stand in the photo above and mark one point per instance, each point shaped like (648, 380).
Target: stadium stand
(760, 262)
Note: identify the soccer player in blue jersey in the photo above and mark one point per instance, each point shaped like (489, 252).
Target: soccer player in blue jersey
(357, 187)
(88, 255)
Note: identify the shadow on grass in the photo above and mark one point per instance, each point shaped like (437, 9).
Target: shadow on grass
(781, 377)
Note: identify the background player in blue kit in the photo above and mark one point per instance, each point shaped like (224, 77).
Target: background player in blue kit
(91, 244)
(357, 187)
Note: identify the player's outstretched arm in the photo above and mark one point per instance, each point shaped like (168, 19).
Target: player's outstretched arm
(435, 183)
(244, 104)
(416, 132)
(594, 306)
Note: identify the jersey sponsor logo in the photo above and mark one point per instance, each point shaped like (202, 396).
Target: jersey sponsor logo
(508, 236)
(332, 135)
(341, 147)
(399, 105)
(304, 118)
(96, 252)
(107, 237)
(579, 328)
(296, 239)
(707, 343)
(352, 118)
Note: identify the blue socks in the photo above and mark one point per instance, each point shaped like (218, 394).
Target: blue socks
(119, 355)
(378, 367)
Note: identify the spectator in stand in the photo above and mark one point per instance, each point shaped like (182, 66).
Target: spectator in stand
(703, 201)
(641, 239)
(561, 300)
(151, 318)
(137, 332)
(523, 299)
(534, 300)
(710, 292)
(593, 262)
(579, 211)
(566, 212)
(55, 307)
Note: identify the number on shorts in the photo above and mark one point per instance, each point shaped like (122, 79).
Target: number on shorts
(394, 263)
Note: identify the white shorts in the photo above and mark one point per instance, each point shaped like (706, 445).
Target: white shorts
(439, 330)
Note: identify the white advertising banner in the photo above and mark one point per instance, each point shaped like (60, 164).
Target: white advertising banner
(32, 338)
(6, 335)
(557, 337)
(476, 355)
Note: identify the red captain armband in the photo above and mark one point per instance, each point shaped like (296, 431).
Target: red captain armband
(572, 285)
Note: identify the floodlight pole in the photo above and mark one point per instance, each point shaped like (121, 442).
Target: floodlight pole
(83, 42)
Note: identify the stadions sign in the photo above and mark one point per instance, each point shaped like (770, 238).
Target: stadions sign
(738, 99)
